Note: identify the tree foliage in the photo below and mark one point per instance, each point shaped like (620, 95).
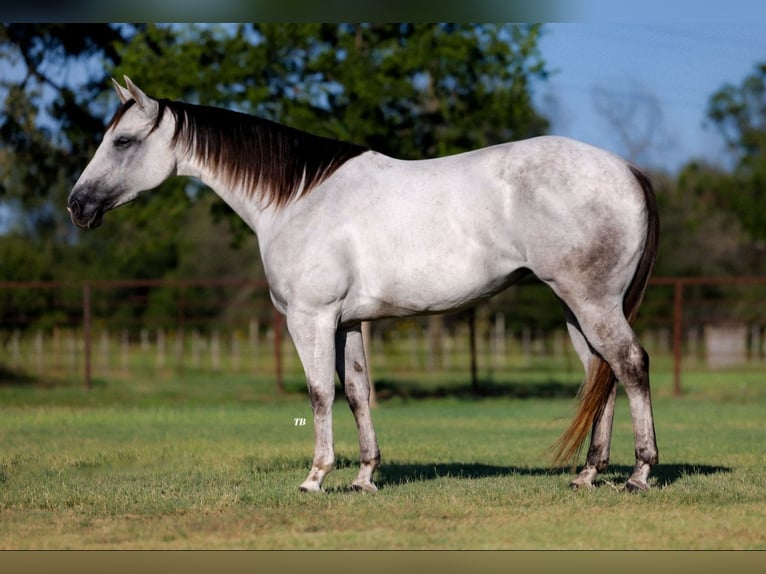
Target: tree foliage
(739, 113)
(407, 90)
(47, 123)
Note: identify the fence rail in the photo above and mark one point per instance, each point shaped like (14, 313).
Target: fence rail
(109, 326)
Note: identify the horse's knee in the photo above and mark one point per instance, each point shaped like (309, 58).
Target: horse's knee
(357, 394)
(321, 397)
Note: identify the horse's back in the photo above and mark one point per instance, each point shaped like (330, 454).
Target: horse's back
(535, 202)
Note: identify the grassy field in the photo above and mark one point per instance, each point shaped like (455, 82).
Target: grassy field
(214, 462)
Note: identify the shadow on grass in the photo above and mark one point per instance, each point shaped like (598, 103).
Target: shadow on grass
(485, 388)
(397, 473)
(667, 474)
(11, 378)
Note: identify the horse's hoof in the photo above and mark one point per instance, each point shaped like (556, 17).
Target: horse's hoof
(578, 484)
(633, 486)
(310, 487)
(364, 487)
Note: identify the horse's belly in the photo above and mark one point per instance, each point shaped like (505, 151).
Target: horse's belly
(402, 283)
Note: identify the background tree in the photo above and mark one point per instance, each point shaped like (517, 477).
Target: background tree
(739, 114)
(45, 122)
(698, 238)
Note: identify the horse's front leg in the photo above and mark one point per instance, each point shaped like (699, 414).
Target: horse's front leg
(313, 334)
(351, 364)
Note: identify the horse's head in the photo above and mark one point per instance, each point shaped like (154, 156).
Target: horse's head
(135, 155)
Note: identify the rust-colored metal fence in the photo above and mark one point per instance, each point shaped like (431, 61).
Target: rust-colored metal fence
(111, 328)
(733, 330)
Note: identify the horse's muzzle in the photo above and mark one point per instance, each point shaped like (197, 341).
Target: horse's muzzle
(84, 215)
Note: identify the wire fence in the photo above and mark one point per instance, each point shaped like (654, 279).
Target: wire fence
(154, 328)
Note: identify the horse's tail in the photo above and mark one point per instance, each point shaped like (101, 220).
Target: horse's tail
(595, 390)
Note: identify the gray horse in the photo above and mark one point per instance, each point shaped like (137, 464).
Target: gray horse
(348, 235)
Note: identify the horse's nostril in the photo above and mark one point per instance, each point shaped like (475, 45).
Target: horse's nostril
(73, 207)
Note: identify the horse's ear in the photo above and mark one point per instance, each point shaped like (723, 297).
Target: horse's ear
(143, 101)
(122, 93)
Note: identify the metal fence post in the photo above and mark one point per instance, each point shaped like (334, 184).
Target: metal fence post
(678, 309)
(86, 324)
(181, 330)
(472, 345)
(277, 324)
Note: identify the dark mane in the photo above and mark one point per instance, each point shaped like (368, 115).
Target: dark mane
(258, 154)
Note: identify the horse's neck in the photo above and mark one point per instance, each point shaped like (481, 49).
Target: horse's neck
(249, 205)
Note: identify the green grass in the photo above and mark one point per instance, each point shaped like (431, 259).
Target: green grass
(214, 462)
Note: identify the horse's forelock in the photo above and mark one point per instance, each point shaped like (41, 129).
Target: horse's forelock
(119, 113)
(123, 109)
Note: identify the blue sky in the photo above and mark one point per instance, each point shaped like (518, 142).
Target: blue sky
(680, 65)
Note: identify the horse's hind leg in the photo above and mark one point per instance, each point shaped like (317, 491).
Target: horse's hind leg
(634, 370)
(601, 435)
(351, 366)
(597, 460)
(610, 335)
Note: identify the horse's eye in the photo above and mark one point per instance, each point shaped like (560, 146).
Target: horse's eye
(122, 142)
